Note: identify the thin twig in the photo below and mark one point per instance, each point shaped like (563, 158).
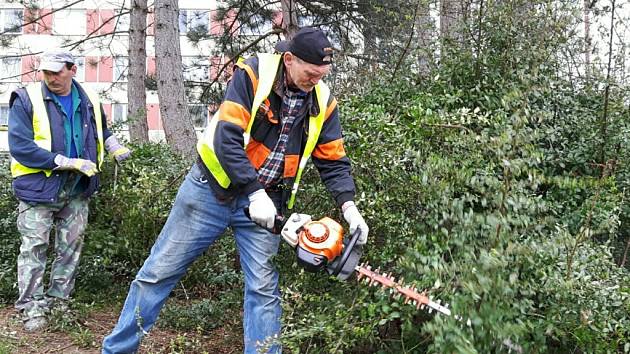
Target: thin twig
(448, 126)
(58, 350)
(236, 56)
(604, 122)
(623, 260)
(406, 49)
(9, 337)
(185, 292)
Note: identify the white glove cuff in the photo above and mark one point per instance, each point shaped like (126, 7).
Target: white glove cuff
(345, 206)
(61, 161)
(111, 143)
(256, 194)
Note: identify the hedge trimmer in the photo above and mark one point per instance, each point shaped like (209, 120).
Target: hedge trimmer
(320, 246)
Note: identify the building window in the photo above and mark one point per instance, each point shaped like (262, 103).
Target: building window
(193, 21)
(119, 115)
(11, 20)
(121, 68)
(198, 114)
(10, 69)
(4, 115)
(80, 63)
(69, 22)
(122, 20)
(196, 68)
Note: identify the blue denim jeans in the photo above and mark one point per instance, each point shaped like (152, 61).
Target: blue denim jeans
(196, 221)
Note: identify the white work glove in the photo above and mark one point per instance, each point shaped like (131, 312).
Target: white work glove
(86, 167)
(355, 220)
(261, 209)
(117, 150)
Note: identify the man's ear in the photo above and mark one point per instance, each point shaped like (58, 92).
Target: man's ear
(288, 58)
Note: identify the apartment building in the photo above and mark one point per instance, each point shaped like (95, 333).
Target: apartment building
(99, 27)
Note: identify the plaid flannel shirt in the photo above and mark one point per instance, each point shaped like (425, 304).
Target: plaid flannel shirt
(270, 173)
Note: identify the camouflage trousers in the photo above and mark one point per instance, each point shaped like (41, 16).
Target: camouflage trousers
(35, 223)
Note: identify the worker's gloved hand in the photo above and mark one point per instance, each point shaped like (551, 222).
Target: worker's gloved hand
(261, 209)
(355, 220)
(117, 150)
(86, 167)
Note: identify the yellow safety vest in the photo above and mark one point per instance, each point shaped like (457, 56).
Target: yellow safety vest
(267, 69)
(41, 129)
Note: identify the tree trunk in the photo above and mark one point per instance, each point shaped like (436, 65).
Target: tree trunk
(289, 18)
(451, 21)
(425, 28)
(587, 37)
(178, 127)
(136, 90)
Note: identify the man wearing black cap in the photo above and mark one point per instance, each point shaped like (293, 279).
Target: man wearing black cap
(57, 138)
(278, 108)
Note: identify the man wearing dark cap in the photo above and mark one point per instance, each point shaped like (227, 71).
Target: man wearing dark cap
(57, 138)
(278, 108)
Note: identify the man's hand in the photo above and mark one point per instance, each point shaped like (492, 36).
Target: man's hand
(117, 150)
(355, 220)
(86, 167)
(261, 209)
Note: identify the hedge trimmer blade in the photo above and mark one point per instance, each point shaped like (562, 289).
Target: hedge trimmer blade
(419, 299)
(411, 294)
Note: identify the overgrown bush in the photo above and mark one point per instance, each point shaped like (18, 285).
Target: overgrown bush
(9, 237)
(460, 202)
(482, 185)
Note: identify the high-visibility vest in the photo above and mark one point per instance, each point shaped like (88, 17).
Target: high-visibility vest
(267, 69)
(41, 129)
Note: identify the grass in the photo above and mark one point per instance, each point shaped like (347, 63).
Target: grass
(84, 338)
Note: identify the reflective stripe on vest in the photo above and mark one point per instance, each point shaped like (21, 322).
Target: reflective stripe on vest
(267, 69)
(314, 125)
(42, 135)
(98, 119)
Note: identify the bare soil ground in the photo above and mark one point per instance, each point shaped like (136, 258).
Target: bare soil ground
(87, 335)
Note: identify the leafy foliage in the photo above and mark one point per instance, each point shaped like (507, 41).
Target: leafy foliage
(9, 239)
(489, 184)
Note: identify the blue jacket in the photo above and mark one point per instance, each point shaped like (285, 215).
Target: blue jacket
(36, 187)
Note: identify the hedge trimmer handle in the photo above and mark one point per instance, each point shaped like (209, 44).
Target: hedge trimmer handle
(277, 223)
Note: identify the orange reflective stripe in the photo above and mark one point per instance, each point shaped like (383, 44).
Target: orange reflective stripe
(291, 165)
(331, 108)
(234, 113)
(269, 114)
(332, 150)
(257, 153)
(250, 73)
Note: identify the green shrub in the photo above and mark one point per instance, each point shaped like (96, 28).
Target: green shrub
(9, 237)
(461, 202)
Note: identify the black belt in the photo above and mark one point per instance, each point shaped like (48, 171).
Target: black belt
(203, 168)
(278, 188)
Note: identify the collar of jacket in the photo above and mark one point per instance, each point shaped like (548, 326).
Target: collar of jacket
(82, 95)
(279, 87)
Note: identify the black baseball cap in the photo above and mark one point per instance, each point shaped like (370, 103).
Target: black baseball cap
(309, 44)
